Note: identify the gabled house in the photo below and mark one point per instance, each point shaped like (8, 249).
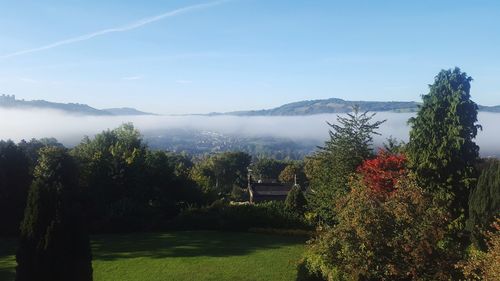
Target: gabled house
(260, 191)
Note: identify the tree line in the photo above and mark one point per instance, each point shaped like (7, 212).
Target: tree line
(422, 210)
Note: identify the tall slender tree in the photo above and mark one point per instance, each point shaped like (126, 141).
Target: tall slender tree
(329, 169)
(441, 150)
(54, 244)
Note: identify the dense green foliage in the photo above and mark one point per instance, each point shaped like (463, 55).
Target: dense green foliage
(168, 183)
(484, 264)
(414, 230)
(294, 173)
(113, 173)
(241, 217)
(127, 186)
(17, 162)
(239, 194)
(54, 243)
(378, 217)
(15, 179)
(329, 169)
(32, 147)
(219, 173)
(305, 272)
(484, 201)
(267, 169)
(295, 200)
(185, 255)
(382, 236)
(441, 150)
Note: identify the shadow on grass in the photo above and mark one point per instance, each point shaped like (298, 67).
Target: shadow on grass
(185, 244)
(7, 274)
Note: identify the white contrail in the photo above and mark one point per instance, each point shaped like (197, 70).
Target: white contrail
(123, 28)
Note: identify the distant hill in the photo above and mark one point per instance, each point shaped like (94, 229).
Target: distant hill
(126, 111)
(495, 108)
(335, 105)
(10, 101)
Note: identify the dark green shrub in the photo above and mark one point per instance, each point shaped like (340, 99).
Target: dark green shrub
(223, 216)
(295, 200)
(15, 180)
(484, 202)
(484, 265)
(305, 273)
(239, 194)
(54, 244)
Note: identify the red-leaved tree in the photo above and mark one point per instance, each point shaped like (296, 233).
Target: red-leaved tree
(383, 172)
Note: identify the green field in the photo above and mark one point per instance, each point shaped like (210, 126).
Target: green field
(197, 255)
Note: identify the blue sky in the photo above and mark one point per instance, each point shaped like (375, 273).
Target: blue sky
(243, 54)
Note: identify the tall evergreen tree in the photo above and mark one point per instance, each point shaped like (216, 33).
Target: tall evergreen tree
(54, 244)
(441, 150)
(330, 168)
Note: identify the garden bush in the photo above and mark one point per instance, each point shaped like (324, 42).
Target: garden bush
(386, 236)
(224, 216)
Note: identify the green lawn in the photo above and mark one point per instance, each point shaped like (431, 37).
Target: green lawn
(197, 255)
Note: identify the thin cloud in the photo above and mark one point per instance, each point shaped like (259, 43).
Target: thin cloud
(123, 28)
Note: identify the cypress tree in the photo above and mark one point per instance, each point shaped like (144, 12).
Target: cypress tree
(441, 150)
(54, 244)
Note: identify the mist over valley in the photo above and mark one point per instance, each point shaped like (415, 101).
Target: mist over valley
(198, 134)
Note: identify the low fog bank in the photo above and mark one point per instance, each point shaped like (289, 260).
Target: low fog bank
(69, 129)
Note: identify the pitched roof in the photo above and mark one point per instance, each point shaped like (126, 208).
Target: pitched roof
(266, 189)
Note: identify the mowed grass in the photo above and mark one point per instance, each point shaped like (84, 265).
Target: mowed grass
(186, 255)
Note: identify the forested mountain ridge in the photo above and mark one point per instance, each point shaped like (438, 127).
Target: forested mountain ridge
(336, 105)
(307, 107)
(10, 101)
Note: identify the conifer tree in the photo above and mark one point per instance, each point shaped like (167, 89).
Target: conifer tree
(330, 168)
(441, 150)
(54, 244)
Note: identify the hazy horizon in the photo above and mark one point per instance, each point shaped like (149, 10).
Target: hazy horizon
(69, 129)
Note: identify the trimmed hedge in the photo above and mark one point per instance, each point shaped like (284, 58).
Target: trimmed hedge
(223, 216)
